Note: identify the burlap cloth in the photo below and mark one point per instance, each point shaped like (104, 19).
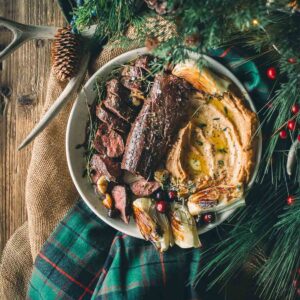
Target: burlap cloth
(49, 192)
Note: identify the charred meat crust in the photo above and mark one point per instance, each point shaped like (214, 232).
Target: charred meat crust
(117, 100)
(106, 166)
(132, 75)
(154, 128)
(144, 188)
(111, 120)
(108, 142)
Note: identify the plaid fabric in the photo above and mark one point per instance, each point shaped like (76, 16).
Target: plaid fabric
(86, 259)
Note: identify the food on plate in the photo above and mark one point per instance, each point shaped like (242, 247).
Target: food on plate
(111, 120)
(203, 80)
(183, 227)
(108, 141)
(103, 165)
(154, 227)
(143, 187)
(155, 127)
(168, 147)
(117, 100)
(214, 151)
(102, 184)
(121, 202)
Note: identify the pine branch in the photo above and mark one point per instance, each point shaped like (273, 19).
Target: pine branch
(252, 228)
(275, 278)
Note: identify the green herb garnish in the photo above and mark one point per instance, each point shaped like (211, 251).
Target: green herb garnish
(202, 125)
(221, 163)
(222, 150)
(226, 110)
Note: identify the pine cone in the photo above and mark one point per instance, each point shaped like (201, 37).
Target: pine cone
(160, 6)
(65, 54)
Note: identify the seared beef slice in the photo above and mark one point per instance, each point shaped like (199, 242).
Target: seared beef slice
(144, 188)
(114, 144)
(97, 142)
(156, 125)
(131, 78)
(111, 120)
(108, 142)
(117, 100)
(132, 75)
(105, 166)
(119, 195)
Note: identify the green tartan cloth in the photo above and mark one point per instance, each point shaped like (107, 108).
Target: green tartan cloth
(86, 259)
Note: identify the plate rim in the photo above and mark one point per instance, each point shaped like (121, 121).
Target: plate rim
(140, 51)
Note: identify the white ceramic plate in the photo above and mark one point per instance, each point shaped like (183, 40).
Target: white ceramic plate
(76, 127)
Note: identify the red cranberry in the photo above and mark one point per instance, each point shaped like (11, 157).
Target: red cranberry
(283, 134)
(290, 200)
(161, 206)
(208, 218)
(298, 137)
(292, 60)
(272, 73)
(291, 125)
(172, 195)
(295, 108)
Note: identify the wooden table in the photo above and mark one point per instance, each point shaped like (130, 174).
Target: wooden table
(25, 73)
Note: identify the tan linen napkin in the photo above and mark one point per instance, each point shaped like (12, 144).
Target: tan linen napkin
(49, 192)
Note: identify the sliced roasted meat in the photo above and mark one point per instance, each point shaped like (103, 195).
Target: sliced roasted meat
(108, 142)
(143, 62)
(131, 78)
(97, 142)
(159, 120)
(111, 120)
(132, 75)
(114, 144)
(105, 166)
(119, 195)
(117, 101)
(143, 188)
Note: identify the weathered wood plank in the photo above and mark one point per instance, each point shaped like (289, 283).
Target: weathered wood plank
(26, 73)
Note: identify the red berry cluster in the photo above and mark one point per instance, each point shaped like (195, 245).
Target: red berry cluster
(163, 198)
(291, 124)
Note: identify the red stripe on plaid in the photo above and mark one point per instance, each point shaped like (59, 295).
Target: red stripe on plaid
(86, 289)
(161, 257)
(92, 281)
(226, 51)
(117, 238)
